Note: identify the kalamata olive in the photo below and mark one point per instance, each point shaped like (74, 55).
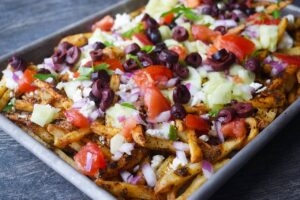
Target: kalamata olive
(64, 46)
(221, 60)
(107, 98)
(214, 11)
(93, 98)
(43, 71)
(252, 64)
(102, 75)
(220, 55)
(150, 22)
(181, 94)
(180, 34)
(244, 109)
(145, 59)
(226, 115)
(234, 17)
(96, 54)
(98, 87)
(130, 65)
(168, 56)
(172, 25)
(249, 11)
(194, 59)
(73, 55)
(98, 45)
(208, 2)
(17, 63)
(180, 70)
(159, 47)
(132, 49)
(61, 52)
(153, 35)
(221, 29)
(178, 111)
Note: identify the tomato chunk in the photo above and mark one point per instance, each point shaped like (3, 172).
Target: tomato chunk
(104, 24)
(192, 3)
(197, 123)
(25, 83)
(76, 118)
(129, 124)
(235, 129)
(263, 19)
(114, 63)
(238, 45)
(203, 33)
(289, 59)
(152, 75)
(143, 39)
(167, 19)
(180, 50)
(90, 159)
(155, 102)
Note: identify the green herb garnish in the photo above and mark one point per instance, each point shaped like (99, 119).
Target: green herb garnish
(128, 34)
(172, 133)
(85, 72)
(128, 105)
(135, 58)
(276, 14)
(44, 77)
(9, 106)
(108, 44)
(186, 12)
(214, 112)
(148, 48)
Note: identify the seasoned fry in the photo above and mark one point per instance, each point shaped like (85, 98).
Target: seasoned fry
(164, 167)
(23, 105)
(5, 99)
(72, 137)
(101, 129)
(126, 190)
(196, 153)
(77, 39)
(253, 129)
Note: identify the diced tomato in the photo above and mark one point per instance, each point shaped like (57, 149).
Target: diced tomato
(152, 75)
(235, 129)
(203, 33)
(289, 59)
(197, 123)
(76, 118)
(90, 159)
(261, 18)
(114, 63)
(104, 24)
(212, 50)
(76, 74)
(25, 83)
(167, 19)
(192, 3)
(143, 38)
(129, 124)
(180, 50)
(238, 45)
(155, 102)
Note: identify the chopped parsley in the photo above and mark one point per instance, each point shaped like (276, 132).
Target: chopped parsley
(9, 106)
(276, 14)
(85, 72)
(172, 133)
(186, 12)
(128, 105)
(128, 34)
(214, 112)
(148, 48)
(44, 77)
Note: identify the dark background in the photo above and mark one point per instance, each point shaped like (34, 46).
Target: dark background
(272, 174)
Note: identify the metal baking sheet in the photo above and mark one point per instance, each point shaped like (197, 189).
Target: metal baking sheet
(43, 47)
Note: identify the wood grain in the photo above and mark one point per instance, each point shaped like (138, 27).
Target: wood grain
(273, 174)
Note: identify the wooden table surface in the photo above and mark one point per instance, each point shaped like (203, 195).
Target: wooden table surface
(273, 173)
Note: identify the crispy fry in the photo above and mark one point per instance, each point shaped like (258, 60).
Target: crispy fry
(106, 131)
(282, 28)
(177, 177)
(200, 180)
(114, 82)
(138, 136)
(126, 190)
(253, 129)
(78, 40)
(65, 157)
(3, 88)
(196, 153)
(71, 137)
(164, 167)
(272, 101)
(277, 6)
(23, 105)
(295, 51)
(5, 99)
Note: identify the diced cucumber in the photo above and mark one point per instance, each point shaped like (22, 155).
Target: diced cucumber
(43, 114)
(114, 113)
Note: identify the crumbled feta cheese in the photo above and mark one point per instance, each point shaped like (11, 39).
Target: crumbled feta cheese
(259, 9)
(291, 18)
(8, 78)
(160, 130)
(204, 138)
(88, 108)
(122, 20)
(102, 139)
(136, 168)
(255, 85)
(156, 161)
(49, 80)
(179, 160)
(116, 142)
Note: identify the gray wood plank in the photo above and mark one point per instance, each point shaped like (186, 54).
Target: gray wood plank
(272, 174)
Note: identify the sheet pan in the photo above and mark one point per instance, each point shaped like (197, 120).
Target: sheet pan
(43, 47)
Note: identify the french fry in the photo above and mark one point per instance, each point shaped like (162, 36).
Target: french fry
(100, 129)
(277, 6)
(126, 190)
(65, 157)
(23, 105)
(196, 153)
(114, 83)
(138, 136)
(5, 99)
(3, 88)
(295, 51)
(282, 28)
(78, 40)
(200, 180)
(253, 129)
(274, 100)
(177, 178)
(71, 137)
(180, 131)
(164, 167)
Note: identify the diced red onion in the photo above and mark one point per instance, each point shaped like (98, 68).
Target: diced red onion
(125, 175)
(251, 31)
(50, 64)
(79, 104)
(89, 159)
(94, 115)
(162, 117)
(172, 82)
(277, 66)
(201, 8)
(134, 179)
(180, 146)
(126, 148)
(15, 77)
(121, 118)
(218, 127)
(188, 85)
(207, 169)
(227, 23)
(149, 175)
(182, 157)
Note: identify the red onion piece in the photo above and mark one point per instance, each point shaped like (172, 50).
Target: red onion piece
(227, 23)
(125, 175)
(162, 117)
(121, 118)
(134, 179)
(89, 159)
(207, 169)
(188, 86)
(149, 175)
(218, 126)
(180, 146)
(182, 157)
(172, 82)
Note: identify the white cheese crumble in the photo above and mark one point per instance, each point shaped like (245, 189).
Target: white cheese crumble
(156, 161)
(160, 130)
(204, 138)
